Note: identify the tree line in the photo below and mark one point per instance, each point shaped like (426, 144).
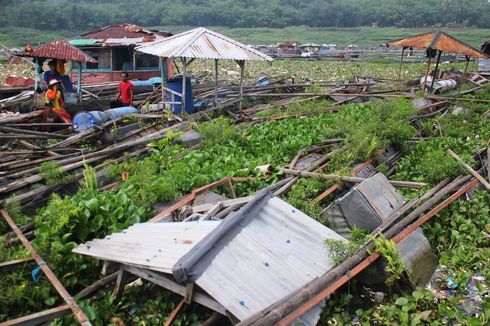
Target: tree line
(85, 15)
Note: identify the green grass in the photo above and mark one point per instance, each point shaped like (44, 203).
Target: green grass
(363, 36)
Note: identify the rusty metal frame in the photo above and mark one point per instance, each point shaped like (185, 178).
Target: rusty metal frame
(70, 302)
(308, 305)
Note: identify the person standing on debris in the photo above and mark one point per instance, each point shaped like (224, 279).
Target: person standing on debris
(51, 74)
(54, 95)
(126, 92)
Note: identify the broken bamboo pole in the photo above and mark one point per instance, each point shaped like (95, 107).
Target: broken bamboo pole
(399, 184)
(77, 312)
(470, 169)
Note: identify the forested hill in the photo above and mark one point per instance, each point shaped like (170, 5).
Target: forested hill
(83, 15)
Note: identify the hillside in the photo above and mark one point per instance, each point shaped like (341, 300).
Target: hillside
(84, 15)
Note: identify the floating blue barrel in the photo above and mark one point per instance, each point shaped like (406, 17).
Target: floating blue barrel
(141, 83)
(155, 80)
(119, 112)
(175, 84)
(87, 120)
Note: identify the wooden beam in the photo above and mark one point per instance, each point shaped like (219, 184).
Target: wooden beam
(122, 277)
(39, 317)
(173, 286)
(224, 203)
(402, 184)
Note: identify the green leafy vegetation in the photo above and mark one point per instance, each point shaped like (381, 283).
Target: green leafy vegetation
(388, 250)
(53, 174)
(170, 170)
(339, 250)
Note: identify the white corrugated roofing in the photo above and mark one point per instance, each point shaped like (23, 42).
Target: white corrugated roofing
(156, 246)
(202, 43)
(278, 251)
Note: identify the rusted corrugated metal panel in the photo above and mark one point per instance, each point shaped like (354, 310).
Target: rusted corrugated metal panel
(438, 41)
(123, 31)
(59, 49)
(201, 43)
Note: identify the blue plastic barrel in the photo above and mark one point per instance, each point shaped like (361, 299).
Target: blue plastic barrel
(99, 117)
(155, 80)
(119, 112)
(175, 84)
(141, 83)
(82, 121)
(86, 120)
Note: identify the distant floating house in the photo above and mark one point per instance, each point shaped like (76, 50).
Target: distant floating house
(289, 46)
(113, 47)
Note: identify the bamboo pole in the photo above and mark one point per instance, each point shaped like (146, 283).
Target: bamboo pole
(470, 169)
(402, 184)
(435, 72)
(291, 303)
(427, 73)
(400, 71)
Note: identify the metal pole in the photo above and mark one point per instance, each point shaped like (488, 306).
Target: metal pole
(184, 71)
(36, 80)
(400, 70)
(215, 82)
(427, 73)
(435, 72)
(466, 67)
(79, 86)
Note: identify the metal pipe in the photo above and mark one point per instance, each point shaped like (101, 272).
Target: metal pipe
(184, 71)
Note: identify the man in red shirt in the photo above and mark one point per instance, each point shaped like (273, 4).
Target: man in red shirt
(126, 91)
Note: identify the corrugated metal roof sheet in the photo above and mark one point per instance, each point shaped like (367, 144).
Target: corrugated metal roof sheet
(156, 246)
(438, 41)
(201, 43)
(124, 41)
(59, 49)
(271, 251)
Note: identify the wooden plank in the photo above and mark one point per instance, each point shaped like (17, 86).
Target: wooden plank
(173, 286)
(225, 203)
(39, 317)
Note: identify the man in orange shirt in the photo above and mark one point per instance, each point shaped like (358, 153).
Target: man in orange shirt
(126, 91)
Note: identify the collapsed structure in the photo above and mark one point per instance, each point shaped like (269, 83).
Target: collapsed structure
(263, 263)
